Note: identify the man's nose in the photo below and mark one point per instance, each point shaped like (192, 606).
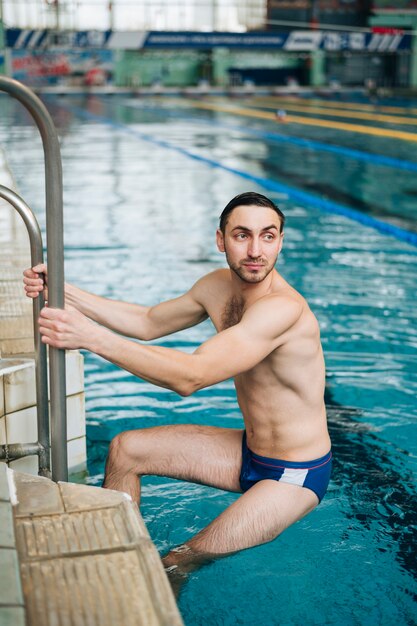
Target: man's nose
(254, 248)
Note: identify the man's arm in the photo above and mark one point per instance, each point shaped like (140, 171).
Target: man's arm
(136, 320)
(131, 320)
(231, 352)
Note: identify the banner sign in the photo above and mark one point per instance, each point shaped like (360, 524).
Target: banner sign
(76, 67)
(333, 41)
(295, 41)
(18, 38)
(21, 38)
(214, 40)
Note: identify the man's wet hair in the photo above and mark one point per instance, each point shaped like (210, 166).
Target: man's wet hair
(246, 199)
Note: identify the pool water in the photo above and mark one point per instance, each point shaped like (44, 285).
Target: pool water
(145, 181)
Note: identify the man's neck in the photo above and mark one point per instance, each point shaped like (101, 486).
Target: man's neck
(253, 291)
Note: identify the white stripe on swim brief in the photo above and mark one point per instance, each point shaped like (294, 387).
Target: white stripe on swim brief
(294, 476)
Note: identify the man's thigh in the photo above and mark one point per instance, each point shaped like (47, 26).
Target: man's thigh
(258, 516)
(202, 454)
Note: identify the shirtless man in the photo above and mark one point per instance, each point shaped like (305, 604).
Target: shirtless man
(267, 339)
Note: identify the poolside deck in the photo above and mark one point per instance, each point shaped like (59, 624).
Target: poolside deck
(76, 555)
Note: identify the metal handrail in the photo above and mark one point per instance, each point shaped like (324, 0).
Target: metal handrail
(42, 446)
(55, 252)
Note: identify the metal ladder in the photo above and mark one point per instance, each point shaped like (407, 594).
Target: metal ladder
(51, 448)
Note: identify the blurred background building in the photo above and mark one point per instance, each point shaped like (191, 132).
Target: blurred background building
(204, 15)
(139, 43)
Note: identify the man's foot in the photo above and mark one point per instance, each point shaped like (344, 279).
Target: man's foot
(177, 578)
(180, 562)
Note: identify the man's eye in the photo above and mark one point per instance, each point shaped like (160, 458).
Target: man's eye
(241, 236)
(269, 237)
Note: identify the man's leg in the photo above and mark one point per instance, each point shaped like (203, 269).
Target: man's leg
(258, 516)
(200, 454)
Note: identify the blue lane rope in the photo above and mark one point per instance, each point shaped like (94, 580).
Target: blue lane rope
(293, 193)
(357, 155)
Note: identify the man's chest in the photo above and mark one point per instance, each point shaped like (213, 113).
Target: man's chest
(227, 311)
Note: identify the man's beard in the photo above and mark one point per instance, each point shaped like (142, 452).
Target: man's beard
(251, 276)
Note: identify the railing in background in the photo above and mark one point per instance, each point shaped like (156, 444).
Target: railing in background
(42, 446)
(55, 255)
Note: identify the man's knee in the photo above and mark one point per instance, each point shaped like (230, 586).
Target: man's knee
(125, 449)
(123, 470)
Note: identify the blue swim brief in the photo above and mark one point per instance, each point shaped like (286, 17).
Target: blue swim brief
(314, 475)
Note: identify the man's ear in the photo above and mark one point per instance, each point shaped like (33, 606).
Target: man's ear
(220, 240)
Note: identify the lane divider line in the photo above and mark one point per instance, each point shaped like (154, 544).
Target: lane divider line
(295, 194)
(327, 112)
(308, 121)
(310, 144)
(377, 108)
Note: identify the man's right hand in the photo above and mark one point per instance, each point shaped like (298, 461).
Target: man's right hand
(36, 281)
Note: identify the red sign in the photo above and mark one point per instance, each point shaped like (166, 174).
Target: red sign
(387, 30)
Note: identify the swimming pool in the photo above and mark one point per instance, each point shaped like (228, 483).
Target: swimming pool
(145, 181)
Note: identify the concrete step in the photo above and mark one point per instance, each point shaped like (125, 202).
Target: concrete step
(76, 555)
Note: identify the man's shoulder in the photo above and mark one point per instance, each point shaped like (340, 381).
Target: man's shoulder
(278, 302)
(279, 311)
(281, 317)
(220, 275)
(216, 278)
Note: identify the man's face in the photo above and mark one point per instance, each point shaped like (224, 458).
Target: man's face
(251, 242)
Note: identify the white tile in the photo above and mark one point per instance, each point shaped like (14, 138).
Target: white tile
(74, 372)
(11, 364)
(19, 325)
(18, 390)
(19, 387)
(14, 347)
(27, 464)
(77, 454)
(21, 426)
(3, 439)
(76, 416)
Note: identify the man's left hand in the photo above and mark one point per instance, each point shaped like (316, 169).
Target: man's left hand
(67, 329)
